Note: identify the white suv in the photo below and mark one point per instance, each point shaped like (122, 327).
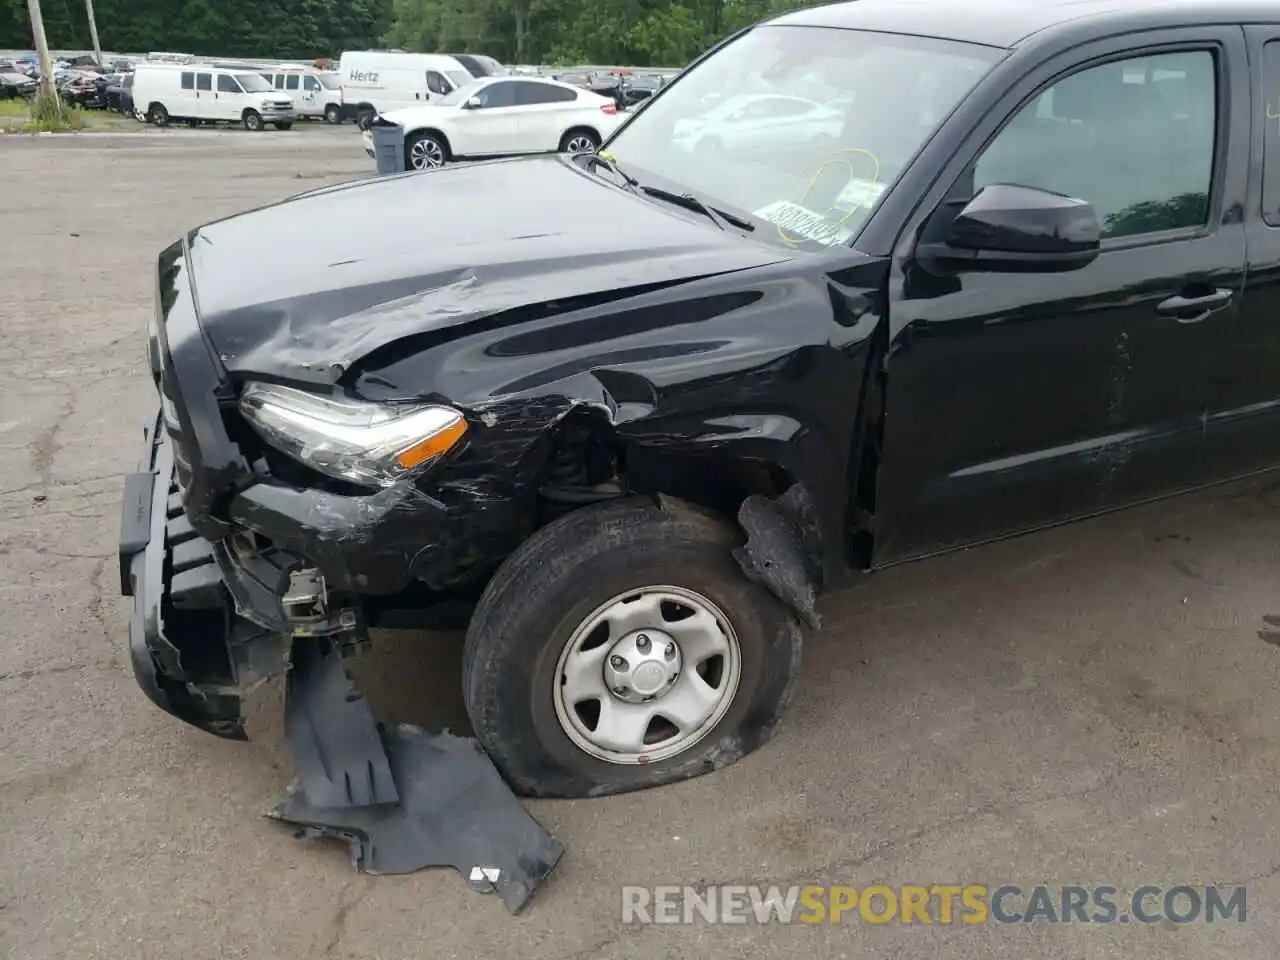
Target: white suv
(503, 116)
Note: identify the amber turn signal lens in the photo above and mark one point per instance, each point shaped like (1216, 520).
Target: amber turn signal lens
(432, 446)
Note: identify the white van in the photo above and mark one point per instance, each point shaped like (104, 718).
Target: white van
(375, 81)
(315, 93)
(197, 92)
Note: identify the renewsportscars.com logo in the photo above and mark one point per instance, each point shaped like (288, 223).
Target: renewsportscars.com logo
(934, 904)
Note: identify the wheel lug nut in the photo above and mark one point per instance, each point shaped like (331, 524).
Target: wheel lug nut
(642, 642)
(617, 663)
(670, 652)
(620, 691)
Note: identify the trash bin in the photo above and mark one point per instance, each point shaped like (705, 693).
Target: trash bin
(388, 145)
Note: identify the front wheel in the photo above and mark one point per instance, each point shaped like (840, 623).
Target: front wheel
(579, 141)
(252, 120)
(425, 151)
(621, 648)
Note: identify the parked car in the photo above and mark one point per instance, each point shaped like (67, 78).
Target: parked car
(502, 116)
(112, 91)
(17, 85)
(753, 119)
(647, 409)
(198, 93)
(83, 89)
(478, 65)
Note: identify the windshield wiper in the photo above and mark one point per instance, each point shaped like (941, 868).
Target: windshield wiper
(628, 181)
(690, 202)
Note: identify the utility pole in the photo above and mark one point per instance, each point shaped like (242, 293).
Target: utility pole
(42, 49)
(93, 33)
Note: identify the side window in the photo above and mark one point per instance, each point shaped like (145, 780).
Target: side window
(1271, 134)
(188, 80)
(291, 82)
(310, 83)
(204, 81)
(497, 95)
(228, 84)
(528, 94)
(437, 84)
(1135, 138)
(278, 81)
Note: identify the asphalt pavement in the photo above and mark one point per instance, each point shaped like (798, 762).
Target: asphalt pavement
(1094, 705)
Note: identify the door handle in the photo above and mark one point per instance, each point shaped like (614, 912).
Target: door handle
(1194, 309)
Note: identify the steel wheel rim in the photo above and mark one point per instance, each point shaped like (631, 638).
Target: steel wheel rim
(425, 154)
(581, 144)
(675, 712)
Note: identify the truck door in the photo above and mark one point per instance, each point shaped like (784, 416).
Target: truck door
(1244, 422)
(1021, 400)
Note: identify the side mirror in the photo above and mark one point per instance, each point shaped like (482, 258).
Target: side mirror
(471, 103)
(1014, 229)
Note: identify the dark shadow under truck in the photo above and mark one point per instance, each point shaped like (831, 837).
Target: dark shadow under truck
(635, 411)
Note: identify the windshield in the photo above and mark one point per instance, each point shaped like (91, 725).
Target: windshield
(253, 83)
(460, 78)
(799, 128)
(328, 80)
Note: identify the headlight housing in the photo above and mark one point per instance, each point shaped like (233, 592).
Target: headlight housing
(372, 444)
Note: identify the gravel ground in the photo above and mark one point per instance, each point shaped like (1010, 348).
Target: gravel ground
(1096, 705)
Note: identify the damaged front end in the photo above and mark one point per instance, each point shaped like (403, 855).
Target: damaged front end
(403, 799)
(192, 655)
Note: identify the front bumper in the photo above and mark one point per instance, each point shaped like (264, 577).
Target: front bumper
(192, 655)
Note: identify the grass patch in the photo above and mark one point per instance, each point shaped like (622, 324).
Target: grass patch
(51, 115)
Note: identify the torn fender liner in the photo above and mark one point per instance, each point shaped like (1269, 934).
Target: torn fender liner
(332, 733)
(455, 810)
(776, 554)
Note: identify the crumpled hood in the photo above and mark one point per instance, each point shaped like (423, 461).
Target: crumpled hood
(303, 289)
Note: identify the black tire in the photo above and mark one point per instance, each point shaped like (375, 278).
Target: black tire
(571, 139)
(252, 120)
(557, 578)
(333, 114)
(421, 148)
(364, 118)
(284, 125)
(158, 115)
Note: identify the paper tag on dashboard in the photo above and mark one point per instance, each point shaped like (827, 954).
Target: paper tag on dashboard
(860, 193)
(803, 222)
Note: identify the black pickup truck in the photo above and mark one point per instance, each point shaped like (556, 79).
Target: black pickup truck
(949, 272)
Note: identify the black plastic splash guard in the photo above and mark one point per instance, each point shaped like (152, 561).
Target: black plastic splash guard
(403, 798)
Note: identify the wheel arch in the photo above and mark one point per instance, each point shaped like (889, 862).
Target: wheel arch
(784, 492)
(581, 128)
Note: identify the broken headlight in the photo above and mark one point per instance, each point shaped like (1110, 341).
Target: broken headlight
(366, 443)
